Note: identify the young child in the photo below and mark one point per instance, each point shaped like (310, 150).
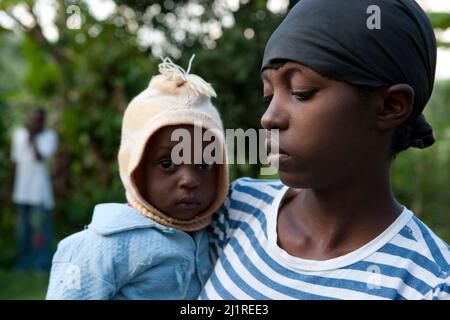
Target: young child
(154, 247)
(346, 99)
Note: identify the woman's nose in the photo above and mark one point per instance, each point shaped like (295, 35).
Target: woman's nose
(274, 117)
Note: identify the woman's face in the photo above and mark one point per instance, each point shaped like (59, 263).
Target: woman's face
(326, 127)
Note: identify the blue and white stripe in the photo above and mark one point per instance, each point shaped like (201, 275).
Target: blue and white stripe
(407, 261)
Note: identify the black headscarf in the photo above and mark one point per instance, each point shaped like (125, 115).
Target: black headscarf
(332, 37)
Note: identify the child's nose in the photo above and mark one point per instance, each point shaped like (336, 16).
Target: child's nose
(274, 117)
(188, 178)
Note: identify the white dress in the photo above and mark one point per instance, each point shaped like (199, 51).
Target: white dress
(32, 182)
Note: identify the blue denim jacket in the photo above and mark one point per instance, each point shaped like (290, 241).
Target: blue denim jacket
(125, 255)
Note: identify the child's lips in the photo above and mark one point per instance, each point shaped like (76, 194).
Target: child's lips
(188, 202)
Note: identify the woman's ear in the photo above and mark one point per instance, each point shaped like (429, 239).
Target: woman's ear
(396, 106)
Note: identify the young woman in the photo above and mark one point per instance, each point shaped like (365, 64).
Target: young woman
(346, 98)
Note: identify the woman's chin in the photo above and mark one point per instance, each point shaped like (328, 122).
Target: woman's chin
(294, 180)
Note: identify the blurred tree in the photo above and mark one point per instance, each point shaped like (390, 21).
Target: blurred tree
(85, 78)
(420, 177)
(441, 21)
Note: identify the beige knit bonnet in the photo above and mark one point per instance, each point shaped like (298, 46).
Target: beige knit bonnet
(174, 97)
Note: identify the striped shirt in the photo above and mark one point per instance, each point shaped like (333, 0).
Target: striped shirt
(406, 261)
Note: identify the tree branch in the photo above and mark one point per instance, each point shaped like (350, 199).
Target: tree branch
(17, 21)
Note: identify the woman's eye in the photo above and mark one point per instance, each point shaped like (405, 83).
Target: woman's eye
(266, 99)
(167, 164)
(303, 95)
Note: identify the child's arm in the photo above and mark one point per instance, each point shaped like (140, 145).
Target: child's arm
(71, 282)
(82, 269)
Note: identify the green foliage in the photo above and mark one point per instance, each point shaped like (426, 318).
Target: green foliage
(42, 73)
(420, 177)
(440, 20)
(23, 286)
(88, 76)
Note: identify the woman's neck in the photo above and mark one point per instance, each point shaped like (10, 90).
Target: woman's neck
(325, 223)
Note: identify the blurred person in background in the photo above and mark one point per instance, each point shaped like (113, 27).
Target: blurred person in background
(32, 146)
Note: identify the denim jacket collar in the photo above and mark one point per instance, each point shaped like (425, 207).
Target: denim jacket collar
(110, 218)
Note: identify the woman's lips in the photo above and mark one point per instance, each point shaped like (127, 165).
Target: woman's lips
(273, 145)
(277, 155)
(278, 159)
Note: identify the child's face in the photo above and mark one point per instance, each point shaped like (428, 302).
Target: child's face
(179, 191)
(326, 128)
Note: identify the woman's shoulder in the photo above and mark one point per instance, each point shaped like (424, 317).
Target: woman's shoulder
(432, 254)
(420, 251)
(256, 189)
(275, 183)
(424, 241)
(249, 199)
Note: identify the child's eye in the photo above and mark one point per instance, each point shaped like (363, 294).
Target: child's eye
(303, 95)
(167, 164)
(266, 99)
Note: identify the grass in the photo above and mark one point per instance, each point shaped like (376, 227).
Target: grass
(22, 286)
